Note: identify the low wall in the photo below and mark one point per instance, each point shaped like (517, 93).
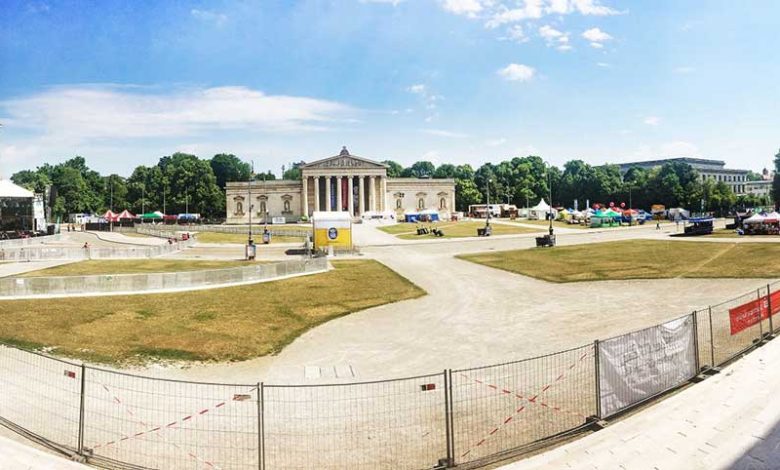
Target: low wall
(38, 287)
(303, 231)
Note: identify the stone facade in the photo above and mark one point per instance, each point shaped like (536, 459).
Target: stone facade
(343, 182)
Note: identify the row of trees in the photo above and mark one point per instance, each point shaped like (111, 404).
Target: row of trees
(183, 182)
(524, 181)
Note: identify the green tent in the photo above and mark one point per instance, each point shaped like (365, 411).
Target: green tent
(157, 215)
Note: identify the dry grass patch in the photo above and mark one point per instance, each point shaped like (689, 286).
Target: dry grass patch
(95, 267)
(462, 229)
(229, 324)
(638, 259)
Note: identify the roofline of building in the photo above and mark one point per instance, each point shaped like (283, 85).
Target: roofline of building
(661, 161)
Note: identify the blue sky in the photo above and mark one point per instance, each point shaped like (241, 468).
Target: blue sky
(463, 81)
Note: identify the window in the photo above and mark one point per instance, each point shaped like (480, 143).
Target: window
(399, 203)
(286, 205)
(442, 203)
(239, 208)
(262, 208)
(421, 203)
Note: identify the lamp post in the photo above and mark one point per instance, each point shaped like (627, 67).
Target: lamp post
(111, 203)
(549, 194)
(487, 217)
(249, 186)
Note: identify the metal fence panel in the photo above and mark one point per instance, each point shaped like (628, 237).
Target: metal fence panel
(638, 365)
(170, 424)
(498, 409)
(380, 425)
(41, 394)
(727, 343)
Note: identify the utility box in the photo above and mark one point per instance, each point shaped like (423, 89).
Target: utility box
(332, 229)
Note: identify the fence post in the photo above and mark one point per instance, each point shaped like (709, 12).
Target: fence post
(712, 339)
(696, 341)
(769, 307)
(760, 320)
(260, 427)
(598, 374)
(81, 410)
(447, 416)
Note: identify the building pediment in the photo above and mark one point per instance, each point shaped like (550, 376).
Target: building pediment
(344, 160)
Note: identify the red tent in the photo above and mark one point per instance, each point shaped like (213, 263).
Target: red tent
(125, 214)
(110, 216)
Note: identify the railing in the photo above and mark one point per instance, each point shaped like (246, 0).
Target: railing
(462, 417)
(52, 253)
(256, 229)
(112, 284)
(19, 242)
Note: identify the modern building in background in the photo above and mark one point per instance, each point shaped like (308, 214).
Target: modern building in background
(343, 182)
(714, 170)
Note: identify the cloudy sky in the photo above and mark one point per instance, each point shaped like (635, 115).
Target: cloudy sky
(463, 81)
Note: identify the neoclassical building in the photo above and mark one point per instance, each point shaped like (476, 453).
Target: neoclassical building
(344, 182)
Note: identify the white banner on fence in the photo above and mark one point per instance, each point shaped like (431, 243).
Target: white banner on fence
(638, 365)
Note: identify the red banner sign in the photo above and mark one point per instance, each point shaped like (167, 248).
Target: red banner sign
(753, 312)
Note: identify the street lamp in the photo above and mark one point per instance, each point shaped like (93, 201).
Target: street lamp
(549, 194)
(249, 185)
(487, 217)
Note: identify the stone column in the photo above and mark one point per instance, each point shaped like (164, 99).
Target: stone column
(316, 193)
(383, 196)
(350, 195)
(372, 193)
(339, 197)
(328, 207)
(305, 198)
(361, 194)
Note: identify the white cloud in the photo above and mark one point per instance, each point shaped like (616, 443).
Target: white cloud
(429, 100)
(597, 45)
(517, 72)
(684, 70)
(554, 38)
(516, 33)
(209, 16)
(391, 2)
(444, 133)
(596, 35)
(495, 142)
(652, 120)
(503, 12)
(82, 113)
(432, 156)
(604, 65)
(463, 7)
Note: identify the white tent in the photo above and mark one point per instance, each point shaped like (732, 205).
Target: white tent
(8, 189)
(540, 211)
(754, 219)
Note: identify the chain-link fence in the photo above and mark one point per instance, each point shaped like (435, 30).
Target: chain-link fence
(32, 287)
(462, 417)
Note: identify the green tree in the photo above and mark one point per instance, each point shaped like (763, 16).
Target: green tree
(446, 170)
(466, 194)
(36, 181)
(227, 167)
(422, 169)
(394, 169)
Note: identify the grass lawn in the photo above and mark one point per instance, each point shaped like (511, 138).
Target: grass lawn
(408, 231)
(229, 324)
(215, 237)
(131, 266)
(724, 233)
(638, 259)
